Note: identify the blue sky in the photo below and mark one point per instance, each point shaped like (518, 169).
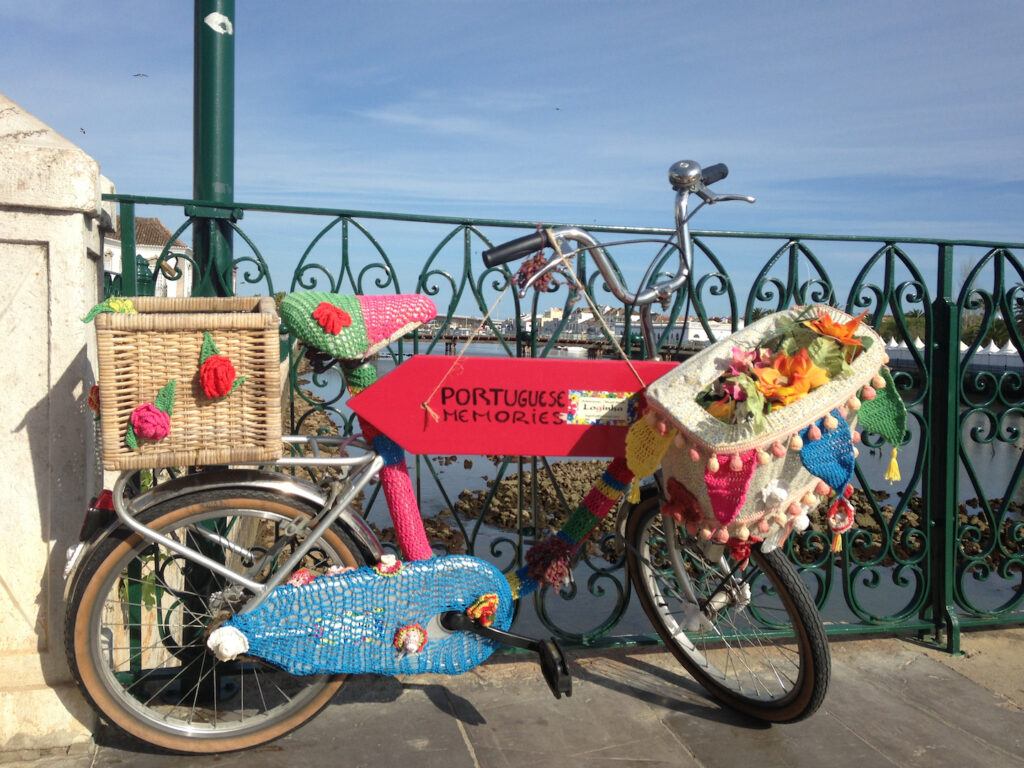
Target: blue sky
(853, 118)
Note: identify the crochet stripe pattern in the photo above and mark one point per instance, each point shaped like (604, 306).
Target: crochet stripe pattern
(602, 498)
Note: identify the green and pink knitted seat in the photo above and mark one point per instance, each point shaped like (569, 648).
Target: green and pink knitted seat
(353, 327)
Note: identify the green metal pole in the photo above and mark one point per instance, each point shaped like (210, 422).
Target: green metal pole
(943, 462)
(213, 141)
(129, 273)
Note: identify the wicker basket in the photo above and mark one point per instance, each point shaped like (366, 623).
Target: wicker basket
(140, 353)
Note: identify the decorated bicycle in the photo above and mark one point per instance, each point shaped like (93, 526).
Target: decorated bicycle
(222, 609)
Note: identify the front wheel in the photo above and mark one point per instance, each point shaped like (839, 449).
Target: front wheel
(139, 614)
(752, 638)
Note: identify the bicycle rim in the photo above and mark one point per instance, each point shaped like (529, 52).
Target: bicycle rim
(141, 652)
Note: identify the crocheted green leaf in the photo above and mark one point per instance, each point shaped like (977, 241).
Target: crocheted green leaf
(130, 439)
(165, 398)
(885, 415)
(237, 383)
(209, 348)
(117, 304)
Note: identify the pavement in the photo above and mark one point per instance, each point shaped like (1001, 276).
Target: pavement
(891, 702)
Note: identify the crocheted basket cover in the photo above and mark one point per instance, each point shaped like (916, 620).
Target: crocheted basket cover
(741, 499)
(374, 321)
(347, 623)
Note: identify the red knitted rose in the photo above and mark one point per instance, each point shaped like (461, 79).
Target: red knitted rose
(150, 423)
(216, 375)
(331, 318)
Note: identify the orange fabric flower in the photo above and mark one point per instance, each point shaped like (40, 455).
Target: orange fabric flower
(722, 409)
(789, 378)
(841, 332)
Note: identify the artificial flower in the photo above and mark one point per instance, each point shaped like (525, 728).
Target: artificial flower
(745, 361)
(841, 332)
(150, 423)
(331, 318)
(216, 376)
(722, 409)
(789, 377)
(734, 390)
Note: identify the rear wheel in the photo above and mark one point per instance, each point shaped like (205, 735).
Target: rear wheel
(139, 615)
(753, 638)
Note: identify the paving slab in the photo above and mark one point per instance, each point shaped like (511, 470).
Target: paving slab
(891, 703)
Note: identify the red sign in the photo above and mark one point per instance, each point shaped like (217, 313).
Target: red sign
(507, 406)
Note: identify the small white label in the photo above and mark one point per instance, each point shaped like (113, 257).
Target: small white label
(596, 408)
(219, 23)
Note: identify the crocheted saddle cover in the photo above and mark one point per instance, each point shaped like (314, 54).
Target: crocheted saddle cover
(349, 623)
(361, 326)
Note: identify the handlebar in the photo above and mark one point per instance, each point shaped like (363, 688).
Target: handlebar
(515, 249)
(686, 177)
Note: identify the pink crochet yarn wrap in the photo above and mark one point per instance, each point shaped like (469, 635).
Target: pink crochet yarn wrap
(405, 512)
(727, 488)
(381, 312)
(150, 423)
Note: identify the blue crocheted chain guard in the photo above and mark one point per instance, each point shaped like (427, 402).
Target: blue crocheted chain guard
(347, 623)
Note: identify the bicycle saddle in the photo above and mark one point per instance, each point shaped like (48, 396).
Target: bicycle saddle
(353, 327)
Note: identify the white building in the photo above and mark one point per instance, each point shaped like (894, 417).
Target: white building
(151, 236)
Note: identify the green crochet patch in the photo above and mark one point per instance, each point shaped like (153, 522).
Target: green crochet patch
(351, 343)
(361, 376)
(885, 415)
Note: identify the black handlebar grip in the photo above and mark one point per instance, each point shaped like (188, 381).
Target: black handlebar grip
(515, 249)
(714, 173)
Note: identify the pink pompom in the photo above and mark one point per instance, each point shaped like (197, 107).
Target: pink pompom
(868, 393)
(694, 454)
(735, 463)
(814, 433)
(778, 450)
(150, 423)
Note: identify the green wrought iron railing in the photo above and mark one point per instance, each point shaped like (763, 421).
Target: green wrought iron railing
(941, 550)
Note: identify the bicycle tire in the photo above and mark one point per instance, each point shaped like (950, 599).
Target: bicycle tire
(99, 670)
(747, 678)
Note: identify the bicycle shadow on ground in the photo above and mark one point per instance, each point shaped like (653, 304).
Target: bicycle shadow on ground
(634, 673)
(371, 689)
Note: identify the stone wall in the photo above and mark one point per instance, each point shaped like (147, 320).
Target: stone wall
(50, 274)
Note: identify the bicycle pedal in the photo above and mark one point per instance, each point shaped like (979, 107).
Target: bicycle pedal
(555, 668)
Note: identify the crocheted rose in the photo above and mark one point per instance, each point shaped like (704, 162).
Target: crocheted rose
(216, 376)
(150, 423)
(331, 318)
(93, 400)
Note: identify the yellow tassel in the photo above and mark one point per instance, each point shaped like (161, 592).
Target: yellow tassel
(634, 492)
(837, 543)
(892, 474)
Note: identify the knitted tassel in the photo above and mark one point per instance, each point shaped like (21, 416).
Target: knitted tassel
(837, 543)
(634, 492)
(892, 474)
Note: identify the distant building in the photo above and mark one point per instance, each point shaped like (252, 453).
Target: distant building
(151, 236)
